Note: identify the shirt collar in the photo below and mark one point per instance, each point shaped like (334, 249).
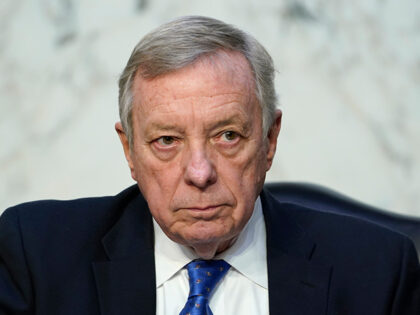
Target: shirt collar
(248, 255)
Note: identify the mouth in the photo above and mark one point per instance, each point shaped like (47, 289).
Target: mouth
(204, 212)
(198, 208)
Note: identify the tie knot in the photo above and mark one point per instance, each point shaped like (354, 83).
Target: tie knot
(204, 276)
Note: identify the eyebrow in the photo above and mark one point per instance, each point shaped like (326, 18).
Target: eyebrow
(165, 127)
(234, 120)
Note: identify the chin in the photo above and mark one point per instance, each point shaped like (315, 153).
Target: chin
(206, 233)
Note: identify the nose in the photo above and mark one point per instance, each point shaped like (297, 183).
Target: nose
(199, 169)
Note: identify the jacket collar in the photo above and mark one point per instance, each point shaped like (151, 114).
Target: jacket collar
(296, 285)
(126, 282)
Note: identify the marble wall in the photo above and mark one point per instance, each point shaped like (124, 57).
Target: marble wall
(348, 79)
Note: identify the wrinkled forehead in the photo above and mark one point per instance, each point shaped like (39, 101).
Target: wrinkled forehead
(216, 71)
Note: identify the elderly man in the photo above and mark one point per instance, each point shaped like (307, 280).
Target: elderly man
(198, 234)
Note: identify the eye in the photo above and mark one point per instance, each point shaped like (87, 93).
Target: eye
(165, 141)
(229, 136)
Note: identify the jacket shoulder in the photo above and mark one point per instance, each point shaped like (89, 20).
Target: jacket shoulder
(90, 206)
(337, 234)
(45, 220)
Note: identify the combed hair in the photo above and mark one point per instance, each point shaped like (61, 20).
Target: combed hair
(181, 42)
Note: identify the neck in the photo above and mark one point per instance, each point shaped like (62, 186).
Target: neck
(210, 250)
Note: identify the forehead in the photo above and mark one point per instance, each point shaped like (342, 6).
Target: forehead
(220, 74)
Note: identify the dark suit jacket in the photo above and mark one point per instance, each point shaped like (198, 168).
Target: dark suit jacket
(95, 256)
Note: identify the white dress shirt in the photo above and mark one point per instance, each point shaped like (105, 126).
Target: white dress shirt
(243, 290)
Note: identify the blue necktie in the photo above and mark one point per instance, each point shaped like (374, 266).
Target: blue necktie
(204, 275)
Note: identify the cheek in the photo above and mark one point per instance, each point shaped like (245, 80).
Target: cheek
(152, 171)
(157, 181)
(247, 169)
(244, 176)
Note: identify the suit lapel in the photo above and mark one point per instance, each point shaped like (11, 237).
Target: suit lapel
(296, 285)
(126, 282)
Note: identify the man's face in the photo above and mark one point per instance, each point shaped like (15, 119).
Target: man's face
(198, 154)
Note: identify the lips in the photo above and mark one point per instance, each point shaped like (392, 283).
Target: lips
(203, 212)
(201, 208)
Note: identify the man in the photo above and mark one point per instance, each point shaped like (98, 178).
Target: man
(198, 234)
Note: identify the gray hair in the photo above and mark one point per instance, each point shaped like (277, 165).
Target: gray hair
(181, 42)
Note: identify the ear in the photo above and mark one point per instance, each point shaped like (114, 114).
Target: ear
(272, 136)
(126, 146)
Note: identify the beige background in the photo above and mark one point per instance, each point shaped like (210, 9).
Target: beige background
(349, 78)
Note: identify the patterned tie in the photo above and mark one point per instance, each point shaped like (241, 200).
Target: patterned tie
(204, 275)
